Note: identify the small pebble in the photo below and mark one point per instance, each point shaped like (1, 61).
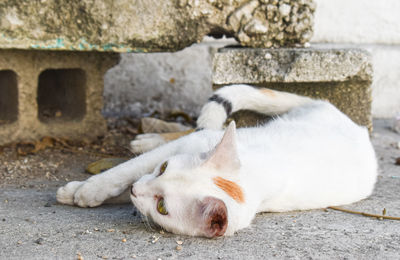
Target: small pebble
(179, 242)
(155, 239)
(58, 113)
(39, 241)
(19, 242)
(397, 161)
(110, 230)
(124, 240)
(79, 256)
(178, 247)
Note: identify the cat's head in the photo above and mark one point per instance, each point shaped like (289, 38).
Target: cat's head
(193, 194)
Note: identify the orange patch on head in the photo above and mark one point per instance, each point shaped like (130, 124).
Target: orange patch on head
(268, 92)
(231, 188)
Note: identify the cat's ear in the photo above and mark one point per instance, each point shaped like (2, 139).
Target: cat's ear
(214, 216)
(224, 156)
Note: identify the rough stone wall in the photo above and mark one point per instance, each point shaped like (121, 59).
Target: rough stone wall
(341, 75)
(160, 82)
(370, 25)
(151, 25)
(142, 84)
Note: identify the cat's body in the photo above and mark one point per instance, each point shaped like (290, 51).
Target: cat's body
(311, 156)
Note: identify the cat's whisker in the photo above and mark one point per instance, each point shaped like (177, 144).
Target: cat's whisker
(147, 223)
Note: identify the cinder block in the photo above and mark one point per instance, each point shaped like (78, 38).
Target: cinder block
(342, 76)
(52, 93)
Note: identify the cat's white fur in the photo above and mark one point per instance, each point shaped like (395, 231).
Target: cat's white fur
(310, 156)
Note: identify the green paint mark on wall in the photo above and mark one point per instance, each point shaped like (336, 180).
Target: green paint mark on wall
(84, 45)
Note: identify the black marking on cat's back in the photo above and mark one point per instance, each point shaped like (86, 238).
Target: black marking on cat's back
(224, 102)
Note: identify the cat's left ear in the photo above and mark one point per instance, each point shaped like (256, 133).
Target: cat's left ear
(224, 157)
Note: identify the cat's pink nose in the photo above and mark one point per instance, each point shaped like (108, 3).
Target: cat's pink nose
(133, 193)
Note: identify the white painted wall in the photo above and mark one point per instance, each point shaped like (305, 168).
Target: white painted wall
(357, 21)
(374, 26)
(386, 84)
(141, 83)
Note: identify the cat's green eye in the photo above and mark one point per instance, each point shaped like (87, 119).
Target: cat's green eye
(161, 207)
(163, 168)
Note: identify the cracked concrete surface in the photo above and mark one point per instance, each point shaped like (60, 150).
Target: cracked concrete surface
(34, 226)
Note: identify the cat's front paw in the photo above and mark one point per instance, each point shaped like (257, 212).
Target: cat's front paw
(66, 194)
(146, 142)
(92, 193)
(89, 193)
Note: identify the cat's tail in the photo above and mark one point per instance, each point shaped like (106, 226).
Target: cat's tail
(232, 98)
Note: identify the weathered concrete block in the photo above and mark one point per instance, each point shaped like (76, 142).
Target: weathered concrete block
(52, 94)
(151, 25)
(342, 76)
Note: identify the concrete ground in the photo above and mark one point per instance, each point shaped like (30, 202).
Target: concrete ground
(34, 226)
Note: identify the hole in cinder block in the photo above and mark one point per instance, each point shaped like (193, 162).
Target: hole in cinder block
(8, 97)
(62, 95)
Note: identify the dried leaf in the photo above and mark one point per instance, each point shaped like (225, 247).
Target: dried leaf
(25, 148)
(104, 164)
(44, 143)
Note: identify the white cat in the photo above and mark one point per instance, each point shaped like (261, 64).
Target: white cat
(212, 183)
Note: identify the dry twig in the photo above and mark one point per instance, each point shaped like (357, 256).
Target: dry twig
(364, 213)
